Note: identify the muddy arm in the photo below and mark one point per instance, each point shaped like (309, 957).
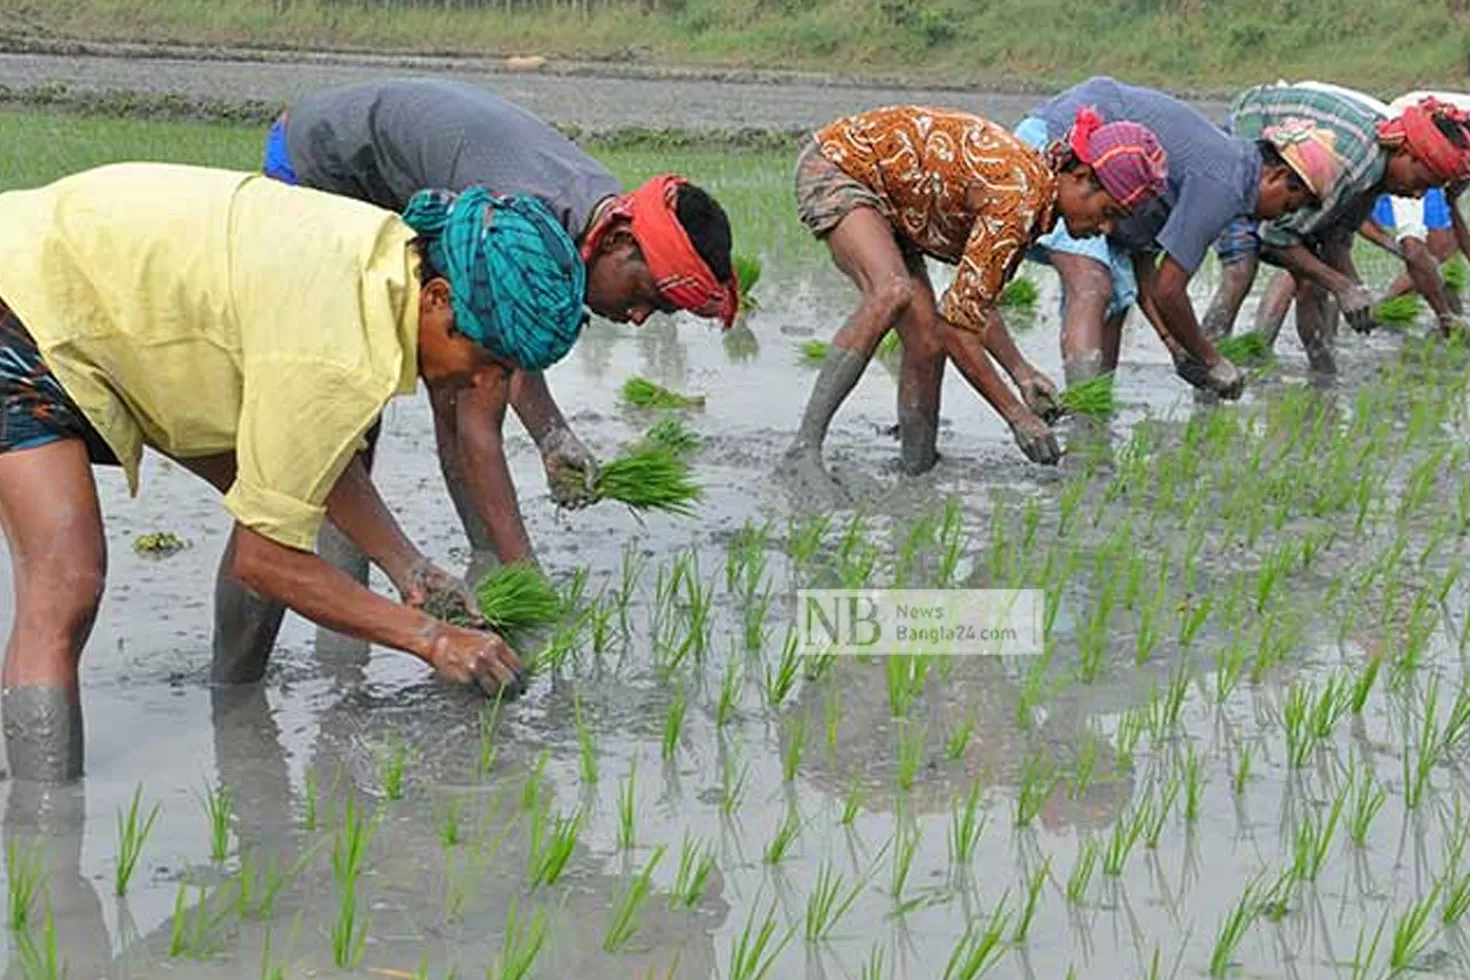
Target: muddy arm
(1163, 294)
(534, 406)
(1301, 263)
(1373, 233)
(1424, 273)
(357, 510)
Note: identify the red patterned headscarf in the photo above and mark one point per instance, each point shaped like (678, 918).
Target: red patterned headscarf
(683, 278)
(1127, 158)
(1415, 130)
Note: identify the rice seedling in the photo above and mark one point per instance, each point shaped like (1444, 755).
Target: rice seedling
(552, 843)
(627, 812)
(1121, 840)
(1232, 930)
(349, 933)
(1038, 777)
(25, 871)
(753, 619)
(520, 947)
(780, 680)
(1363, 958)
(959, 738)
(159, 544)
(793, 740)
(852, 801)
(1412, 933)
(696, 861)
(1455, 272)
(747, 273)
(673, 434)
(393, 764)
(195, 935)
(1082, 869)
(732, 786)
(1020, 292)
(649, 479)
(642, 393)
(1299, 739)
(873, 969)
(966, 824)
(1242, 770)
(1398, 310)
(783, 838)
(259, 891)
(517, 597)
(41, 962)
(586, 743)
(1092, 397)
(531, 785)
(309, 818)
(1418, 764)
(132, 834)
(905, 675)
(1125, 740)
(813, 351)
(1154, 816)
(1367, 798)
(828, 902)
(1033, 898)
(890, 345)
(1245, 348)
(905, 845)
(351, 842)
(1313, 838)
(832, 716)
(624, 922)
(910, 753)
(674, 721)
(756, 949)
(1363, 684)
(1194, 784)
(979, 950)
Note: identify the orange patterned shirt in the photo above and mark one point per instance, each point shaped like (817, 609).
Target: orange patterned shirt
(924, 164)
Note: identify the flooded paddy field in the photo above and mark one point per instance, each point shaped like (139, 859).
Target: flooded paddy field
(1241, 754)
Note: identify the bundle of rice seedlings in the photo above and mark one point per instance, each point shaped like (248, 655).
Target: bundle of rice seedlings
(649, 478)
(891, 344)
(748, 270)
(1020, 292)
(158, 544)
(1091, 397)
(1455, 272)
(1250, 347)
(1399, 310)
(813, 351)
(517, 597)
(642, 393)
(672, 434)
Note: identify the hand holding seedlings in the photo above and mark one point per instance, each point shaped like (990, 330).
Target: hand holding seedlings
(442, 595)
(471, 657)
(1036, 439)
(1040, 395)
(571, 469)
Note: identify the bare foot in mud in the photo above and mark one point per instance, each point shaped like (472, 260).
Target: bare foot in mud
(812, 484)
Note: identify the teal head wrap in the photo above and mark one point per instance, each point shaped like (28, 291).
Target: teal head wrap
(515, 275)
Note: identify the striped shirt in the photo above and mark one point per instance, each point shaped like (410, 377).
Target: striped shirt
(1364, 162)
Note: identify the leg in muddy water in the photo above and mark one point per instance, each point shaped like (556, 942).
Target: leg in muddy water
(1087, 288)
(49, 512)
(245, 626)
(921, 376)
(1236, 278)
(1280, 293)
(1313, 328)
(864, 248)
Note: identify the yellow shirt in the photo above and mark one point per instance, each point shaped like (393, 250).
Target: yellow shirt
(204, 311)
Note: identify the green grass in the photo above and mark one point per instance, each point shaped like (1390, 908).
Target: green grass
(1200, 46)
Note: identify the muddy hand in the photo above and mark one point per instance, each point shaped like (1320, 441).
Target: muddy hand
(473, 657)
(1036, 440)
(1040, 395)
(1192, 369)
(440, 594)
(1356, 303)
(571, 470)
(1224, 380)
(1452, 325)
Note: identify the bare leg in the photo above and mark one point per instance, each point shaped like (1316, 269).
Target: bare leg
(1312, 327)
(1112, 341)
(864, 248)
(447, 440)
(921, 377)
(49, 511)
(1274, 305)
(1236, 279)
(1087, 289)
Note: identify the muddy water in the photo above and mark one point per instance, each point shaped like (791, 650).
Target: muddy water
(334, 710)
(590, 103)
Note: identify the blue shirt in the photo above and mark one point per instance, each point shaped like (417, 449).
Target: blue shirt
(1213, 177)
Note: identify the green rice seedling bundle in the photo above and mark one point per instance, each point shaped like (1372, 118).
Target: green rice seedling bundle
(1399, 310)
(517, 597)
(159, 544)
(1091, 397)
(1020, 293)
(890, 345)
(1455, 273)
(815, 351)
(671, 433)
(649, 479)
(748, 270)
(1250, 347)
(642, 393)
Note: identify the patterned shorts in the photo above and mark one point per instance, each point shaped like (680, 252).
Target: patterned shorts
(825, 194)
(34, 409)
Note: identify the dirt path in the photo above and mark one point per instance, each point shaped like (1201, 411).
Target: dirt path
(590, 97)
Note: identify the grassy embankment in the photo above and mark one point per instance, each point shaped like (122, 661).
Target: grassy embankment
(1184, 44)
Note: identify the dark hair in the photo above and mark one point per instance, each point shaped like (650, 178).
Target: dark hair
(1453, 131)
(1272, 159)
(707, 226)
(427, 269)
(1063, 159)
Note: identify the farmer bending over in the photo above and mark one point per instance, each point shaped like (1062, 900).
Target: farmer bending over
(1213, 179)
(1426, 146)
(167, 306)
(888, 187)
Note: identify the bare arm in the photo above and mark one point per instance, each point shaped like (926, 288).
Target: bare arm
(1002, 347)
(1300, 262)
(1163, 291)
(479, 411)
(534, 405)
(357, 509)
(1372, 232)
(1424, 272)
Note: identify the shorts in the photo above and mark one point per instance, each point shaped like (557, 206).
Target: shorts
(277, 159)
(1032, 132)
(1410, 218)
(825, 193)
(34, 409)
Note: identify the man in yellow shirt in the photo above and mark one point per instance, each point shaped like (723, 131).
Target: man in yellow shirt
(166, 306)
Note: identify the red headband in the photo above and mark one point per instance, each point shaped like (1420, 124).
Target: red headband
(1126, 157)
(1415, 129)
(683, 278)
